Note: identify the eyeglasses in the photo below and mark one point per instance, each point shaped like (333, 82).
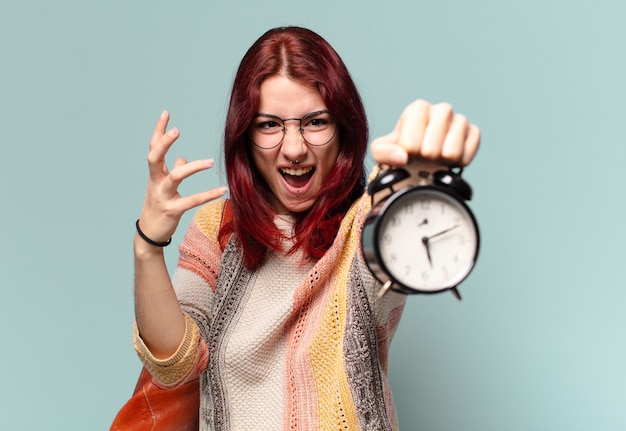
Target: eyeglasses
(317, 129)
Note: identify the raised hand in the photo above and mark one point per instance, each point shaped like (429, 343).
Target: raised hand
(163, 205)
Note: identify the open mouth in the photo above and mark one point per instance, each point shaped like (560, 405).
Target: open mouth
(297, 177)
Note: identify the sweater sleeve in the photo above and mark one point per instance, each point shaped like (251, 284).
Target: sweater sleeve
(185, 362)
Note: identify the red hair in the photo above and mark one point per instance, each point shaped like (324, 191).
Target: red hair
(304, 56)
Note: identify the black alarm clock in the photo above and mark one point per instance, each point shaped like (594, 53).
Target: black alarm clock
(421, 238)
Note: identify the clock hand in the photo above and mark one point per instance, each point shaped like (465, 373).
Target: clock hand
(441, 233)
(425, 242)
(426, 239)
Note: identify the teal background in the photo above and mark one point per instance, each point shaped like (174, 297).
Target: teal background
(538, 342)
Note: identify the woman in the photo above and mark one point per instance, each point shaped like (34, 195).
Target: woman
(272, 303)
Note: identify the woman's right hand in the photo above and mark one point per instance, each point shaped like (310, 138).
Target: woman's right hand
(164, 206)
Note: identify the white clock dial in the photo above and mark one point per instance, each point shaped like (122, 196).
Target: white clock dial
(427, 240)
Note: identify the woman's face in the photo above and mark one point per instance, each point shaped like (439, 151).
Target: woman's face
(294, 170)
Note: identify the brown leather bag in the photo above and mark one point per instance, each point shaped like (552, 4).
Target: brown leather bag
(153, 408)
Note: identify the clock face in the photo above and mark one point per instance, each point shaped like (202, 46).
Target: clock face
(427, 240)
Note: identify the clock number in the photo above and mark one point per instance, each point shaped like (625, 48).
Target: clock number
(445, 271)
(395, 221)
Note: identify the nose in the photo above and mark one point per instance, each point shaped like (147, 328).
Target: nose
(294, 147)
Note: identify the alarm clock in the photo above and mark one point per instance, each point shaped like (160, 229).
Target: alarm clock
(420, 238)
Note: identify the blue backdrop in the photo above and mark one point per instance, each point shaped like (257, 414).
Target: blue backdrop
(537, 342)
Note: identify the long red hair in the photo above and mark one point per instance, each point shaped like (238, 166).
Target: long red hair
(304, 56)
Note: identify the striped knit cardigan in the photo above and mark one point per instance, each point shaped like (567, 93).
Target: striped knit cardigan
(284, 347)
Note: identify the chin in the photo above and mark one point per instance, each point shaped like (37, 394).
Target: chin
(298, 207)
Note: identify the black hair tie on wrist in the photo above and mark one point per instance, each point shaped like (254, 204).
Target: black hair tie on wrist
(148, 240)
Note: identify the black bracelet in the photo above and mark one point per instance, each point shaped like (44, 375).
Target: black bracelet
(148, 240)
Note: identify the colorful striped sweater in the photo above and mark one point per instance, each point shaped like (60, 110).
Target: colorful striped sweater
(288, 346)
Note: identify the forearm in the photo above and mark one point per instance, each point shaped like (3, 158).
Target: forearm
(160, 320)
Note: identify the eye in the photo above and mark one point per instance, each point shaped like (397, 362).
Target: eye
(317, 121)
(268, 125)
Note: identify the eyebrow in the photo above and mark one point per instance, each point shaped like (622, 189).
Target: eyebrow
(263, 114)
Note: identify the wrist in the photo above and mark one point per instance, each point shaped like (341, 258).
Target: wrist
(150, 240)
(144, 250)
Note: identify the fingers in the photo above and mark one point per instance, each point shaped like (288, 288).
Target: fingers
(175, 208)
(179, 162)
(437, 131)
(160, 143)
(386, 151)
(167, 187)
(163, 205)
(413, 125)
(453, 143)
(472, 142)
(183, 170)
(429, 133)
(192, 201)
(159, 128)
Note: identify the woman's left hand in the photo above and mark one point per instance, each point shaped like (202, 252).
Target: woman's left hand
(431, 134)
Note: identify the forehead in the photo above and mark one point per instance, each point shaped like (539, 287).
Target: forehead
(286, 98)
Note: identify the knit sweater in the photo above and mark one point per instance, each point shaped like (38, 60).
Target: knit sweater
(288, 346)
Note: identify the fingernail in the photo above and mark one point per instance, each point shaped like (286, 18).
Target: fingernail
(173, 132)
(163, 114)
(208, 162)
(223, 190)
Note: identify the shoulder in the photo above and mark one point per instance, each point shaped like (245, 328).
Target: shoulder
(209, 218)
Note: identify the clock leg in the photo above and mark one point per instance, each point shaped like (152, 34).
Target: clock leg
(456, 293)
(384, 289)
